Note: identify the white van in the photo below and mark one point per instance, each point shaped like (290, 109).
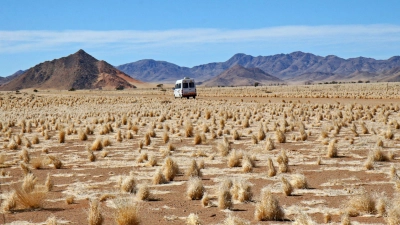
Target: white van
(185, 88)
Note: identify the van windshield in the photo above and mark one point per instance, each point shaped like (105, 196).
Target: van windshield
(185, 85)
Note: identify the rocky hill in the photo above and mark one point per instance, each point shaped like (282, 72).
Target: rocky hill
(79, 71)
(240, 76)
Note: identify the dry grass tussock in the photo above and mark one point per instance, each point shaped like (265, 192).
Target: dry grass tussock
(33, 199)
(193, 219)
(127, 212)
(268, 208)
(94, 215)
(303, 219)
(224, 195)
(195, 188)
(234, 220)
(143, 192)
(241, 190)
(170, 169)
(128, 184)
(360, 204)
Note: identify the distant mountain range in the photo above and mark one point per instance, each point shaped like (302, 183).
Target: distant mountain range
(293, 67)
(238, 75)
(82, 71)
(78, 71)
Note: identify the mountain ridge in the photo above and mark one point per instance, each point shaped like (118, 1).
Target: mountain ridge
(283, 66)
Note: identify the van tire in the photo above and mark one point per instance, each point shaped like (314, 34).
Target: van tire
(194, 97)
(187, 97)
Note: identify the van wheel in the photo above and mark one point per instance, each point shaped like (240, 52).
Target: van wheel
(194, 97)
(187, 97)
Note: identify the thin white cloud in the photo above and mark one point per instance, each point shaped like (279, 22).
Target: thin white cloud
(28, 41)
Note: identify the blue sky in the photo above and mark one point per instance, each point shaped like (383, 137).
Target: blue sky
(190, 33)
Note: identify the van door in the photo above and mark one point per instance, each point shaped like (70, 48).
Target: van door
(188, 89)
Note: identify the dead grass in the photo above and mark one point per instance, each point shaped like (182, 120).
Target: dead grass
(94, 215)
(158, 177)
(128, 184)
(360, 204)
(127, 212)
(268, 208)
(286, 187)
(193, 170)
(224, 198)
(233, 220)
(29, 182)
(97, 145)
(205, 201)
(193, 219)
(143, 192)
(303, 219)
(234, 158)
(30, 200)
(269, 144)
(299, 181)
(271, 168)
(170, 169)
(332, 149)
(61, 136)
(9, 203)
(195, 188)
(280, 136)
(393, 215)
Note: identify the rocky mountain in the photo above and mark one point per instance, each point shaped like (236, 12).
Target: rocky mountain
(4, 80)
(79, 71)
(240, 76)
(296, 65)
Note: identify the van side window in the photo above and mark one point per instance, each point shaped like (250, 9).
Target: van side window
(191, 85)
(185, 85)
(178, 86)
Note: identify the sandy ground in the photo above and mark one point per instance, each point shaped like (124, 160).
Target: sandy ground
(330, 183)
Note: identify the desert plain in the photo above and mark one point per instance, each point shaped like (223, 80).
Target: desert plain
(316, 154)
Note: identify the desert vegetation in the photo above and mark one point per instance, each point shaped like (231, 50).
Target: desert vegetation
(292, 154)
